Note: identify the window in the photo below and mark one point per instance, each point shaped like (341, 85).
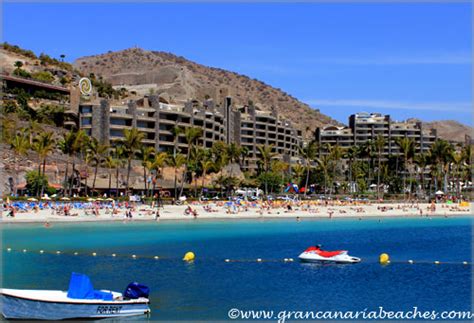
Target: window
(86, 121)
(86, 109)
(118, 122)
(116, 132)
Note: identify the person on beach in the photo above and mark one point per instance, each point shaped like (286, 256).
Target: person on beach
(11, 212)
(157, 214)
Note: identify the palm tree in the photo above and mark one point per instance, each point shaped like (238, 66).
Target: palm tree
(280, 167)
(298, 173)
(368, 152)
(220, 155)
(379, 145)
(421, 161)
(97, 153)
(324, 163)
(43, 145)
(206, 165)
(458, 162)
(407, 147)
(234, 152)
(33, 129)
(308, 153)
(176, 161)
(352, 154)
(146, 154)
(191, 134)
(266, 155)
(109, 163)
(176, 131)
(335, 154)
(131, 143)
(441, 152)
(72, 144)
(88, 158)
(244, 153)
(468, 158)
(118, 156)
(157, 165)
(20, 145)
(65, 145)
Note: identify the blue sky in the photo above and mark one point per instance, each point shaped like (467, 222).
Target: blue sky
(405, 59)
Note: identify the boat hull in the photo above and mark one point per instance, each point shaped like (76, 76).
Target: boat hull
(21, 308)
(339, 259)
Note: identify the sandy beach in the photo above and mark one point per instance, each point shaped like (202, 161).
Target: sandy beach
(217, 211)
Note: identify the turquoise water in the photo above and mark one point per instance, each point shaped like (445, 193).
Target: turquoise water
(209, 287)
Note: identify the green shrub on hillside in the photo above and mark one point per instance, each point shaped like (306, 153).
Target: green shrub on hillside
(9, 106)
(51, 114)
(21, 73)
(43, 76)
(48, 60)
(18, 50)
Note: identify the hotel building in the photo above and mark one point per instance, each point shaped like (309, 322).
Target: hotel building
(152, 115)
(364, 127)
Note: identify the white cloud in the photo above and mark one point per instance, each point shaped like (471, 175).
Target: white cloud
(396, 105)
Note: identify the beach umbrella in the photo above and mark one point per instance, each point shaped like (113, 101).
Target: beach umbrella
(109, 199)
(65, 199)
(439, 193)
(99, 199)
(47, 198)
(90, 199)
(32, 199)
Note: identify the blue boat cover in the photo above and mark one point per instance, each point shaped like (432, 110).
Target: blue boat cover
(80, 287)
(135, 290)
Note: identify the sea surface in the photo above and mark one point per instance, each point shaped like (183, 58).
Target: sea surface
(209, 287)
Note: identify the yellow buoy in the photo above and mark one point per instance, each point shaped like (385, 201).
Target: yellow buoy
(290, 259)
(94, 254)
(384, 259)
(113, 255)
(189, 256)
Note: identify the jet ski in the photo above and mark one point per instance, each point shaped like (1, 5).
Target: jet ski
(316, 254)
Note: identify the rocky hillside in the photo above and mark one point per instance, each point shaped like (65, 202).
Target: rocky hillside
(180, 79)
(450, 130)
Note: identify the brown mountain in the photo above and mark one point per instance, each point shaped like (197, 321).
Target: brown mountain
(450, 130)
(179, 79)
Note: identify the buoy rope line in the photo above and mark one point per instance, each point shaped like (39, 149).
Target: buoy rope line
(189, 256)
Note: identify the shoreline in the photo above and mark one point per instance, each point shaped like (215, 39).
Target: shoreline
(174, 213)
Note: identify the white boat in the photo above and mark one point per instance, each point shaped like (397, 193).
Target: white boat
(316, 254)
(59, 305)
